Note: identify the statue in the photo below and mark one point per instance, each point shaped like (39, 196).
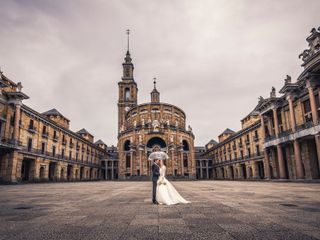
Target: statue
(168, 122)
(260, 98)
(140, 138)
(273, 92)
(155, 125)
(287, 80)
(142, 122)
(189, 128)
(135, 123)
(177, 124)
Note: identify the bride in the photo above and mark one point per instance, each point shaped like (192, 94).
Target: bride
(166, 193)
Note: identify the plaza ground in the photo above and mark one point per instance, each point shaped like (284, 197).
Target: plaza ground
(123, 210)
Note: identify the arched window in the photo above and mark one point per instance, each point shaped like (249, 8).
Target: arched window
(126, 145)
(185, 145)
(127, 94)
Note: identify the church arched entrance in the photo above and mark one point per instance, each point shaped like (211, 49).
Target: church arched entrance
(155, 144)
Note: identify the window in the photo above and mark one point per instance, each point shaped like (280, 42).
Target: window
(127, 94)
(29, 144)
(307, 111)
(77, 155)
(128, 161)
(43, 148)
(258, 150)
(31, 124)
(44, 129)
(54, 134)
(70, 155)
(249, 152)
(185, 160)
(53, 151)
(62, 153)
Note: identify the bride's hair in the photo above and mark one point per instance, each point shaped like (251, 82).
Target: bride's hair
(164, 162)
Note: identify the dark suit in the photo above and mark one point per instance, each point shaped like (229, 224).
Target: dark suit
(155, 177)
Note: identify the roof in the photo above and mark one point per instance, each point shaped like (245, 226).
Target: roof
(99, 142)
(54, 112)
(84, 131)
(227, 131)
(212, 142)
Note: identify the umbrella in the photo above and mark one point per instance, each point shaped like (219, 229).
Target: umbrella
(158, 155)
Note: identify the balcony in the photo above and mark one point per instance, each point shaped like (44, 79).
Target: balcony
(55, 139)
(247, 142)
(240, 145)
(64, 142)
(234, 147)
(32, 129)
(71, 145)
(9, 143)
(45, 134)
(256, 138)
(78, 147)
(305, 125)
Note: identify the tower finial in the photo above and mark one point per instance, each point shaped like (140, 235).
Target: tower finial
(154, 83)
(128, 33)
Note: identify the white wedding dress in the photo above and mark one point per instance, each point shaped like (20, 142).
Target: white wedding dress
(166, 193)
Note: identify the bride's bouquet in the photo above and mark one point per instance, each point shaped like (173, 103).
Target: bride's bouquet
(161, 182)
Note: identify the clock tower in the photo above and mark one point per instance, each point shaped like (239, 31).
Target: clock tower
(128, 89)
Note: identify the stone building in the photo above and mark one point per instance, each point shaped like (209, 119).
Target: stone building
(41, 147)
(148, 126)
(279, 139)
(238, 155)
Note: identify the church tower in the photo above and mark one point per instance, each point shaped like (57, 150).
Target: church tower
(155, 95)
(128, 90)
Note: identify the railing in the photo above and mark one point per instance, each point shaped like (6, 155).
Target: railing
(240, 144)
(247, 142)
(31, 129)
(45, 134)
(55, 156)
(269, 138)
(256, 138)
(285, 133)
(239, 159)
(305, 125)
(234, 147)
(55, 138)
(10, 143)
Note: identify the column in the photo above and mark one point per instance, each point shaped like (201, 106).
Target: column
(172, 161)
(131, 163)
(207, 168)
(112, 170)
(297, 157)
(282, 171)
(313, 104)
(291, 111)
(106, 170)
(255, 174)
(317, 140)
(17, 121)
(140, 162)
(200, 161)
(182, 166)
(266, 158)
(276, 123)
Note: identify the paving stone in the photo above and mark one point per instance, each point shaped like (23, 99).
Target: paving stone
(123, 210)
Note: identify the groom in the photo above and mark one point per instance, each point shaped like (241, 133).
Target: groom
(155, 177)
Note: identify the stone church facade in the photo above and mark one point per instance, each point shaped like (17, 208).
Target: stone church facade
(142, 128)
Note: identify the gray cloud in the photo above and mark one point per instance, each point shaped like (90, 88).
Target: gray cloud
(212, 58)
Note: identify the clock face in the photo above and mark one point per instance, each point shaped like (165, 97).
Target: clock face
(126, 109)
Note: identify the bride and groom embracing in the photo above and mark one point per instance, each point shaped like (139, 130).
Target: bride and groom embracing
(163, 192)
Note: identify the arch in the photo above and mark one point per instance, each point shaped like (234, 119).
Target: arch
(42, 172)
(62, 173)
(185, 145)
(127, 94)
(126, 145)
(156, 141)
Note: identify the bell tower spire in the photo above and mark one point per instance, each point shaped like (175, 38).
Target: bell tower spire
(155, 95)
(128, 90)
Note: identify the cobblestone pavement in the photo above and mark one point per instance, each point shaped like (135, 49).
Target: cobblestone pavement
(123, 210)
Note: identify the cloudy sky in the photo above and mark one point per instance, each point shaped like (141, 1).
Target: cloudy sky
(212, 58)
